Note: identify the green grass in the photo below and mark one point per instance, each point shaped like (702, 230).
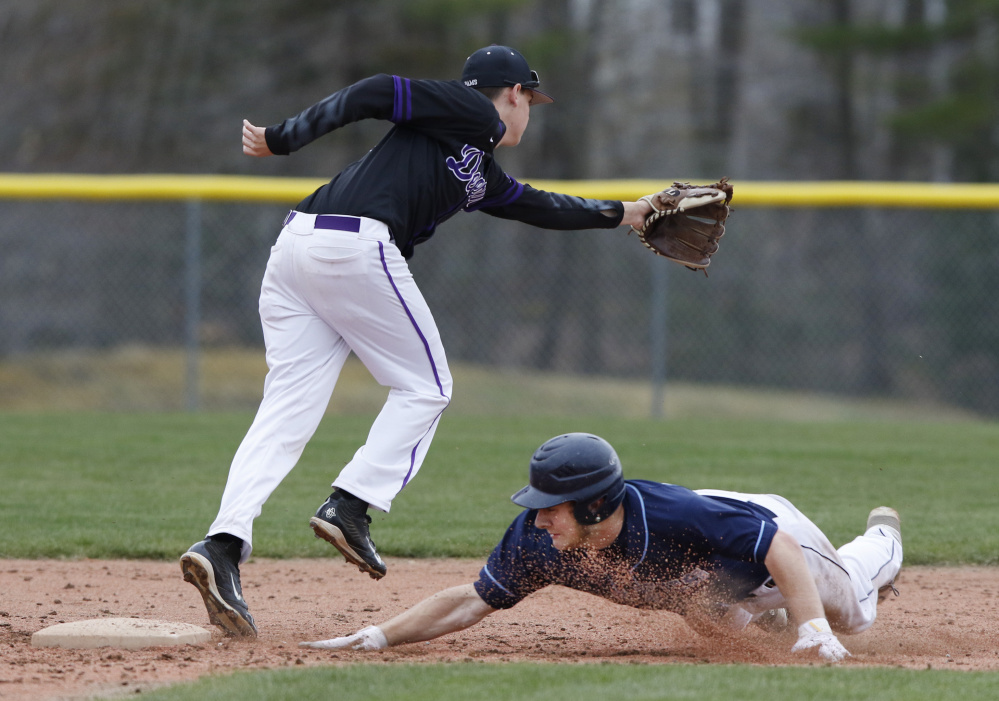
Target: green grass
(148, 485)
(528, 682)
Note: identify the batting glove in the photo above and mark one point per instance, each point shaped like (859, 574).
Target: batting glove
(816, 633)
(370, 638)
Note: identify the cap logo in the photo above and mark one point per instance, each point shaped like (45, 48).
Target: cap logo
(470, 83)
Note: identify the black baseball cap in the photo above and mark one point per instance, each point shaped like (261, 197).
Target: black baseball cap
(501, 67)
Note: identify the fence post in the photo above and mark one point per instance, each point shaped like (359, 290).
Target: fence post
(192, 304)
(658, 336)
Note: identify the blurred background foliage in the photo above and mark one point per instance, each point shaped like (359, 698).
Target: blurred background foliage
(769, 89)
(860, 302)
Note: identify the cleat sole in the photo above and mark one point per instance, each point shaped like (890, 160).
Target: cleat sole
(334, 536)
(199, 572)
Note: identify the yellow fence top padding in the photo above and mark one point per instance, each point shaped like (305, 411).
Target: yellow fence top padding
(155, 187)
(16, 186)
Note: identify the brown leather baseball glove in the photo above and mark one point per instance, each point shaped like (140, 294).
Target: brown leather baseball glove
(686, 222)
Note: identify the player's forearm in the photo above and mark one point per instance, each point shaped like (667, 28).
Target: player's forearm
(368, 98)
(445, 612)
(787, 566)
(556, 211)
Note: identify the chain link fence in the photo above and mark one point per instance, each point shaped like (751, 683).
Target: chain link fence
(892, 303)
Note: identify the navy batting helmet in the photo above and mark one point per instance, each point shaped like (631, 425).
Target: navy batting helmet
(577, 467)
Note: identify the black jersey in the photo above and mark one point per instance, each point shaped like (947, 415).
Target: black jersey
(435, 161)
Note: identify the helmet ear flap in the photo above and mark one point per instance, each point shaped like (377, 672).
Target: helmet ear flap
(588, 513)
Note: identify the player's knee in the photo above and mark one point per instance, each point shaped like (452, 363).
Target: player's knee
(432, 403)
(852, 621)
(443, 401)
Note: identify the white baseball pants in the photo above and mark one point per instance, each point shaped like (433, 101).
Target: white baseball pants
(333, 285)
(848, 579)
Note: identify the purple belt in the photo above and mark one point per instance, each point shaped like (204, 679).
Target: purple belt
(338, 222)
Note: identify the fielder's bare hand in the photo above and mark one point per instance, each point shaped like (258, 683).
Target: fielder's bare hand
(635, 213)
(254, 142)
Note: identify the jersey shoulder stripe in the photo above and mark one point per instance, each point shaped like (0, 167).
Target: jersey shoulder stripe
(402, 107)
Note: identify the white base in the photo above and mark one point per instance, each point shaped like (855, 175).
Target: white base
(127, 633)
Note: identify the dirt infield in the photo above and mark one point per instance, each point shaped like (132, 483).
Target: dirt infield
(943, 619)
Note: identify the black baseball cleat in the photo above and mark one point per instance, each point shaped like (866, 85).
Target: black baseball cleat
(343, 522)
(213, 567)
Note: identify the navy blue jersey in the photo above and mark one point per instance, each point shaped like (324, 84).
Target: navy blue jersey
(435, 161)
(668, 531)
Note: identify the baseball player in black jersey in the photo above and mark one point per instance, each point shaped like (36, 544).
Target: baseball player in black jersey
(338, 281)
(721, 559)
